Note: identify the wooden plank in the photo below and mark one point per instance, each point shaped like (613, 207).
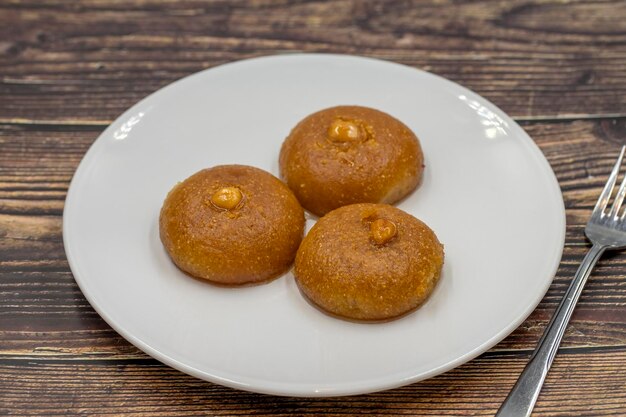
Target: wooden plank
(43, 159)
(590, 384)
(87, 62)
(48, 320)
(44, 315)
(37, 164)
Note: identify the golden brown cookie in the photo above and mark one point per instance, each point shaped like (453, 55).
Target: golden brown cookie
(368, 262)
(232, 224)
(350, 154)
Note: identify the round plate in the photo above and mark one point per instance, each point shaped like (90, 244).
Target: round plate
(487, 192)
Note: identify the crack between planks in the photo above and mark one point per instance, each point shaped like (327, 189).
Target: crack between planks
(103, 123)
(30, 360)
(562, 351)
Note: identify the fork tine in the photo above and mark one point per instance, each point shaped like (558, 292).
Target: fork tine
(608, 188)
(619, 199)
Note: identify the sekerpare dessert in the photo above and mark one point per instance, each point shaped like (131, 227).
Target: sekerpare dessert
(368, 262)
(232, 225)
(350, 154)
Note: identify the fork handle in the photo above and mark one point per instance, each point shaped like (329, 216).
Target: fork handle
(522, 398)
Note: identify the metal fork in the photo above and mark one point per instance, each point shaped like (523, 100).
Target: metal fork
(606, 231)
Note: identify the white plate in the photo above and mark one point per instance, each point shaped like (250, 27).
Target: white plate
(488, 193)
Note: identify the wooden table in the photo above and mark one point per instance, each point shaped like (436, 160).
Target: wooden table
(69, 68)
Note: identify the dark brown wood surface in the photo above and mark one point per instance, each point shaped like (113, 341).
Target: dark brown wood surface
(68, 68)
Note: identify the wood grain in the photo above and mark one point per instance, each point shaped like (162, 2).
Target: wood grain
(90, 60)
(589, 384)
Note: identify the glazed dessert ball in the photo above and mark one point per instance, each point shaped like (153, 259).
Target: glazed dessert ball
(350, 154)
(231, 225)
(368, 262)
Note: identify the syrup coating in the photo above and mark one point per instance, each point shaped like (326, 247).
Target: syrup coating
(350, 154)
(232, 225)
(343, 269)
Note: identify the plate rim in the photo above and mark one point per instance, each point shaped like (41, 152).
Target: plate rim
(289, 389)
